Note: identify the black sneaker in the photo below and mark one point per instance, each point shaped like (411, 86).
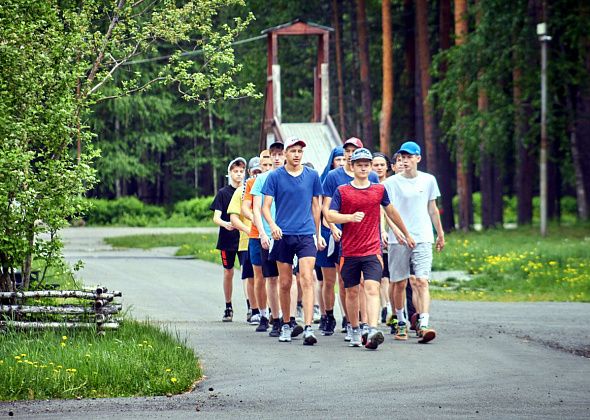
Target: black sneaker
(228, 315)
(263, 326)
(344, 324)
(322, 323)
(276, 328)
(296, 329)
(330, 326)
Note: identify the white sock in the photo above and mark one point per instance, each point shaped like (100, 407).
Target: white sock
(264, 313)
(401, 316)
(424, 320)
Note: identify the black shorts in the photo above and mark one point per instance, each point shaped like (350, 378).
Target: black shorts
(269, 267)
(385, 266)
(351, 268)
(228, 258)
(247, 270)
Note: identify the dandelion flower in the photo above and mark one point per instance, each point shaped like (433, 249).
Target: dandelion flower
(64, 337)
(168, 370)
(173, 380)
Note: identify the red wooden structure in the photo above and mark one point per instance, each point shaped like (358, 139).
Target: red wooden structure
(271, 125)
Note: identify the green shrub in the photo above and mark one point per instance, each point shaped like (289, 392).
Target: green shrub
(196, 208)
(129, 211)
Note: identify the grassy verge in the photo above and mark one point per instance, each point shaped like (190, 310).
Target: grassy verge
(518, 265)
(505, 265)
(137, 360)
(199, 245)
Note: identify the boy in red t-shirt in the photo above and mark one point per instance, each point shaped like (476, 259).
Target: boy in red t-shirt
(357, 207)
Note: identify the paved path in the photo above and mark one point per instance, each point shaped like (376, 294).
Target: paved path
(510, 360)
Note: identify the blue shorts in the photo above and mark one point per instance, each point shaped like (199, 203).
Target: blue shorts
(285, 249)
(259, 257)
(247, 270)
(322, 258)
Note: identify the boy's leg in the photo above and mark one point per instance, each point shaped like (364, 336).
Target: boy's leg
(285, 281)
(373, 303)
(306, 278)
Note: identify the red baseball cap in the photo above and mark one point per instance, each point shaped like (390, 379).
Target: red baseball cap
(354, 141)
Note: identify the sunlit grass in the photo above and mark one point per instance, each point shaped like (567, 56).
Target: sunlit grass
(518, 265)
(137, 360)
(199, 245)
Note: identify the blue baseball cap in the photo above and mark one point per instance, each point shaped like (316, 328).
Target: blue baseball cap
(361, 154)
(410, 147)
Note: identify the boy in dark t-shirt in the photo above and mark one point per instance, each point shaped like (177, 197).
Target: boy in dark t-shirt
(356, 206)
(229, 237)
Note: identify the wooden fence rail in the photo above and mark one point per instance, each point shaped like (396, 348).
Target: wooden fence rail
(17, 309)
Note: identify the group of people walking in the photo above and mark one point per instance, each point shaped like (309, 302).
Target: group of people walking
(352, 226)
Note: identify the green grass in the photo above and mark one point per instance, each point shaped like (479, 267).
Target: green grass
(199, 245)
(505, 265)
(137, 360)
(518, 265)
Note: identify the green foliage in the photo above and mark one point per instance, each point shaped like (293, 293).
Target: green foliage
(41, 183)
(57, 60)
(514, 265)
(137, 360)
(129, 211)
(197, 208)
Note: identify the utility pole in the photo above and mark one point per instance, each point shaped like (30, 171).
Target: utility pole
(543, 39)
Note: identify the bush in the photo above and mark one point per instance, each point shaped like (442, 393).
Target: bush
(196, 208)
(129, 211)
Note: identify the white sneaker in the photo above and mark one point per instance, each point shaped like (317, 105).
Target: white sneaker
(355, 338)
(309, 337)
(255, 319)
(348, 335)
(316, 314)
(285, 336)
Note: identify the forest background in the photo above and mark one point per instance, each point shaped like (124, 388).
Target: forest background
(462, 78)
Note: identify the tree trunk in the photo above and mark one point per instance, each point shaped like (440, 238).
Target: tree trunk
(387, 102)
(365, 77)
(580, 141)
(337, 24)
(498, 196)
(410, 68)
(526, 167)
(486, 172)
(463, 176)
(445, 174)
(425, 83)
(354, 125)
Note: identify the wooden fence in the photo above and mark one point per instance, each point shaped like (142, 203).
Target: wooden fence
(91, 308)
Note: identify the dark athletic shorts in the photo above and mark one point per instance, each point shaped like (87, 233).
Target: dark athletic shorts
(385, 266)
(269, 268)
(228, 258)
(285, 249)
(351, 268)
(322, 259)
(247, 270)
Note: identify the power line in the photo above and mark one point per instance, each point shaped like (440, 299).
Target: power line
(188, 53)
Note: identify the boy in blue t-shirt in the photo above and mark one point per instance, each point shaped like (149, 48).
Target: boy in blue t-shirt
(295, 189)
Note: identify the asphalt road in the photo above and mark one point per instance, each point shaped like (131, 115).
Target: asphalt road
(501, 360)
